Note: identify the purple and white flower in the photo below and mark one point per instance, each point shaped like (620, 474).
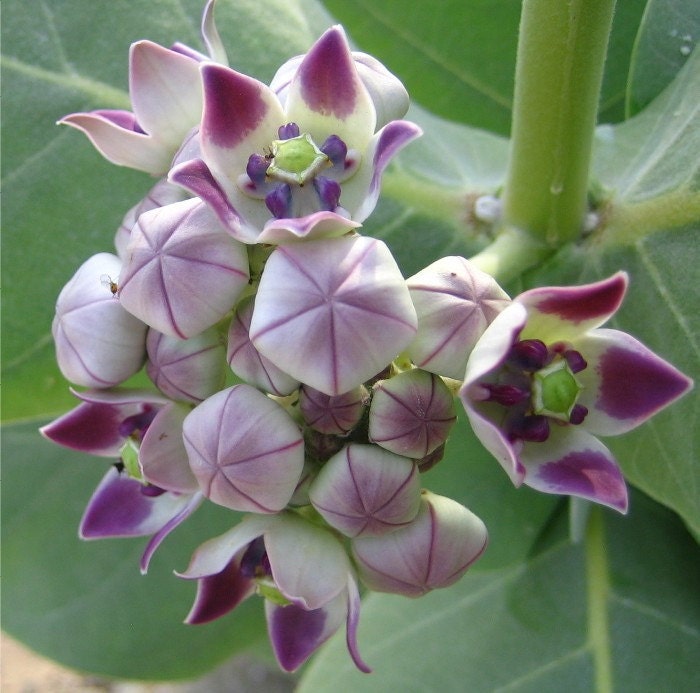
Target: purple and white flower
(544, 380)
(301, 569)
(303, 167)
(150, 490)
(165, 87)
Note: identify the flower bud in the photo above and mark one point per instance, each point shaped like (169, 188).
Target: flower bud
(186, 369)
(248, 363)
(455, 303)
(365, 491)
(98, 343)
(411, 414)
(184, 272)
(332, 414)
(433, 551)
(245, 450)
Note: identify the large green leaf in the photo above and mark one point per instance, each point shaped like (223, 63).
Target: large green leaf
(458, 58)
(621, 611)
(667, 35)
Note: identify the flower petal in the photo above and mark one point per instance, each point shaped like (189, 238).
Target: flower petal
(296, 633)
(241, 117)
(361, 192)
(574, 462)
(92, 428)
(247, 362)
(156, 540)
(625, 383)
(119, 508)
(162, 454)
(332, 313)
(486, 418)
(166, 92)
(309, 565)
(114, 136)
(184, 272)
(220, 593)
(214, 555)
(327, 97)
(196, 177)
(562, 313)
(306, 228)
(210, 34)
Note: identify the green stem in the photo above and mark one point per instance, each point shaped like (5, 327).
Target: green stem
(559, 71)
(437, 201)
(510, 254)
(597, 579)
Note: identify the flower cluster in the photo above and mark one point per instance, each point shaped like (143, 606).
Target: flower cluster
(297, 376)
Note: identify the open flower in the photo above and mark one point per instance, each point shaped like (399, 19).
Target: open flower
(309, 167)
(150, 490)
(301, 569)
(165, 87)
(543, 381)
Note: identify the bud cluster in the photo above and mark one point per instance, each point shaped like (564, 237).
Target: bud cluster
(297, 376)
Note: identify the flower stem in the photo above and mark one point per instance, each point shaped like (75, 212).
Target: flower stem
(559, 71)
(511, 253)
(598, 581)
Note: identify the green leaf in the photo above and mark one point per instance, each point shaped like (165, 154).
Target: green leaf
(458, 58)
(63, 202)
(621, 611)
(667, 35)
(85, 604)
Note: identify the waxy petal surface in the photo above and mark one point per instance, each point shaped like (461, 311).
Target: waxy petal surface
(563, 313)
(349, 315)
(365, 491)
(184, 272)
(245, 450)
(574, 462)
(455, 303)
(434, 551)
(411, 414)
(327, 95)
(98, 343)
(166, 92)
(625, 383)
(114, 137)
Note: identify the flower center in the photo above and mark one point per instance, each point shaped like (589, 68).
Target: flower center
(537, 385)
(555, 390)
(296, 160)
(287, 176)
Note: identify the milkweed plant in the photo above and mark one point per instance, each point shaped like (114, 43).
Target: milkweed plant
(254, 341)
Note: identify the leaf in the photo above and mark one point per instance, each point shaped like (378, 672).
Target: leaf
(667, 34)
(63, 202)
(85, 604)
(626, 600)
(458, 58)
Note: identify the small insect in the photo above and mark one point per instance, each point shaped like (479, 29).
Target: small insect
(109, 283)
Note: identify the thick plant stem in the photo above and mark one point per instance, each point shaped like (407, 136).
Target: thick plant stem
(559, 71)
